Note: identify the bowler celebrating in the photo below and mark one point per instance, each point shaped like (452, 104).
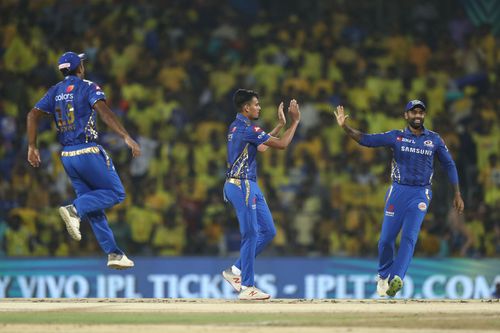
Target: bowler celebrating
(241, 189)
(73, 103)
(409, 196)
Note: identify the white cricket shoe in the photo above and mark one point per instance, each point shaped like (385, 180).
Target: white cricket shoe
(119, 261)
(72, 221)
(233, 279)
(382, 286)
(253, 294)
(395, 285)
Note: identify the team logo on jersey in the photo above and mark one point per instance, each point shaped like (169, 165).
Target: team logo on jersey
(69, 88)
(390, 211)
(233, 129)
(422, 206)
(429, 143)
(257, 128)
(401, 139)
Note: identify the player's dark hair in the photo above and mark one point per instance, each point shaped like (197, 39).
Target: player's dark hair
(242, 97)
(65, 72)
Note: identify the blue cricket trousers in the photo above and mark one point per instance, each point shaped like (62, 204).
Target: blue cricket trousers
(97, 187)
(405, 209)
(256, 223)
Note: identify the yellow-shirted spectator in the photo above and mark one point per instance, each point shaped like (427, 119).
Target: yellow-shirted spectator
(169, 237)
(142, 222)
(489, 177)
(19, 58)
(419, 55)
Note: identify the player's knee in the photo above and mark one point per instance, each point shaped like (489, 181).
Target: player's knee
(408, 240)
(250, 234)
(120, 196)
(385, 242)
(270, 234)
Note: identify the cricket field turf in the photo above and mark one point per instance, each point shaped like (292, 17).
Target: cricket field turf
(232, 316)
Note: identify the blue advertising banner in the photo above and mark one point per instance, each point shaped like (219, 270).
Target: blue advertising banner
(282, 277)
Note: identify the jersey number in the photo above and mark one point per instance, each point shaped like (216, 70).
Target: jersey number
(69, 115)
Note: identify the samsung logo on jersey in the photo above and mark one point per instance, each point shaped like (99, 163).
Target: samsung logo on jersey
(64, 97)
(416, 150)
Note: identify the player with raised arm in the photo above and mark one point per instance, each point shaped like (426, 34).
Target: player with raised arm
(73, 103)
(241, 190)
(409, 196)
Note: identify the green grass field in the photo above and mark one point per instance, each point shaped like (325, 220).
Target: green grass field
(196, 316)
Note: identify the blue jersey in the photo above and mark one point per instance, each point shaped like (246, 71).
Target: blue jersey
(243, 139)
(71, 103)
(413, 156)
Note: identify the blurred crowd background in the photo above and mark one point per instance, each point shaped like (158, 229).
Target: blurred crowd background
(169, 69)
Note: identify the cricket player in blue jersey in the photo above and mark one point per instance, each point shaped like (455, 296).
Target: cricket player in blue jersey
(409, 196)
(241, 189)
(73, 103)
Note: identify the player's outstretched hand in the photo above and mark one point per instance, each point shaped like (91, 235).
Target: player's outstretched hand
(293, 111)
(458, 203)
(341, 116)
(34, 157)
(134, 146)
(281, 115)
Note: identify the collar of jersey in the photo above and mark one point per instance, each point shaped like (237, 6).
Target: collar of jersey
(241, 117)
(425, 132)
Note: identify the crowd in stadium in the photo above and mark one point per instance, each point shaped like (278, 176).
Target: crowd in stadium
(169, 71)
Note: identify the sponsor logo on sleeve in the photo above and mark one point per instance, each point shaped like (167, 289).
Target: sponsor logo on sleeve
(390, 211)
(422, 206)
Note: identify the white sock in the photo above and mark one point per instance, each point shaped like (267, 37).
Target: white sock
(243, 287)
(235, 270)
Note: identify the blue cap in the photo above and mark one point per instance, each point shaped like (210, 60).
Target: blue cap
(414, 103)
(70, 60)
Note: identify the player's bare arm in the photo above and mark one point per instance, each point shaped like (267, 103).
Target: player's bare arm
(281, 121)
(112, 121)
(284, 141)
(32, 124)
(341, 120)
(275, 132)
(458, 202)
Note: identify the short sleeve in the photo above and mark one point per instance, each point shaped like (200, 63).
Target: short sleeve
(95, 93)
(46, 104)
(256, 135)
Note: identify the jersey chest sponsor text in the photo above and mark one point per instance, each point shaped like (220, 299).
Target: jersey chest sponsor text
(64, 97)
(413, 150)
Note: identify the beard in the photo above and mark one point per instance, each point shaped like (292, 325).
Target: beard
(415, 125)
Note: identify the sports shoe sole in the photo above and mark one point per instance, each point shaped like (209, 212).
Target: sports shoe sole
(394, 286)
(119, 267)
(255, 299)
(66, 218)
